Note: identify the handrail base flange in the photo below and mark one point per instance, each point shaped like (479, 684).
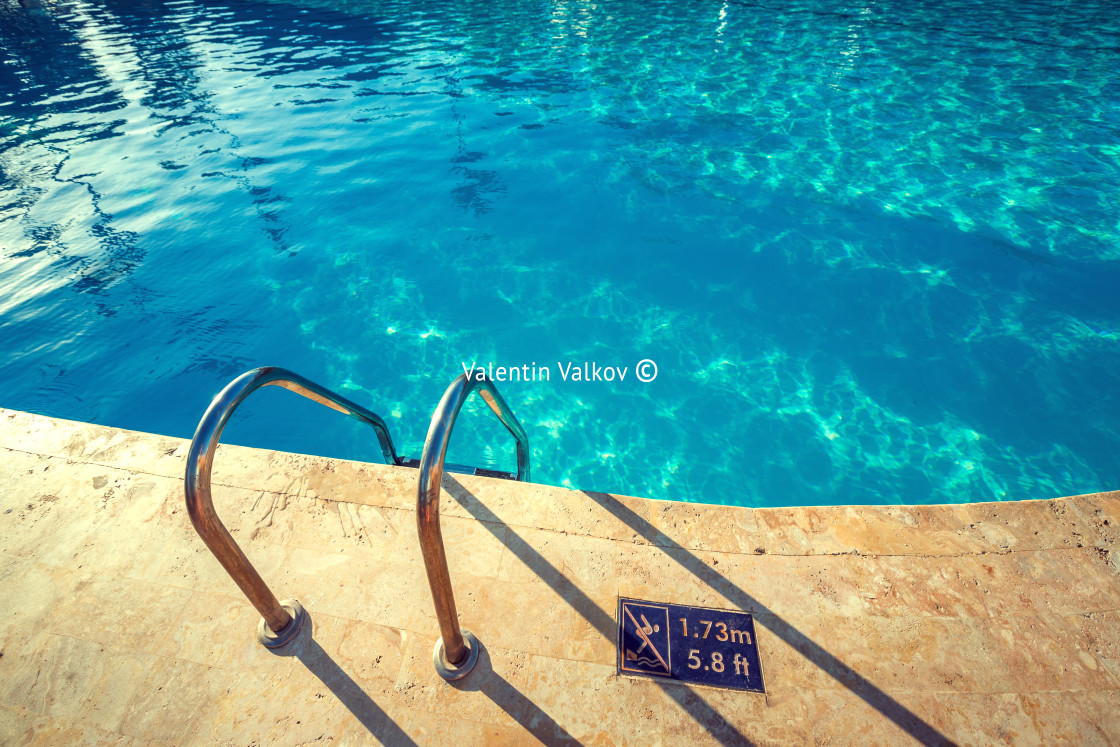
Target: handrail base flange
(452, 672)
(270, 638)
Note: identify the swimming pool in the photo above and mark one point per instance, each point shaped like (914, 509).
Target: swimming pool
(873, 249)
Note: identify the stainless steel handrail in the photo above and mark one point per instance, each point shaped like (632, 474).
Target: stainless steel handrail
(456, 651)
(280, 621)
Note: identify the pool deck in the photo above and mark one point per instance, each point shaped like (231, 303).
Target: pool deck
(975, 624)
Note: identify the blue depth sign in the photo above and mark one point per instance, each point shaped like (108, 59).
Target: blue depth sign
(690, 644)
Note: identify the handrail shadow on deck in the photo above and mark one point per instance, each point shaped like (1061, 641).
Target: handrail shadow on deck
(376, 721)
(689, 701)
(902, 716)
(305, 649)
(511, 700)
(704, 714)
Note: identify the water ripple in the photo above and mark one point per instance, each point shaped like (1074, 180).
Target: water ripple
(873, 248)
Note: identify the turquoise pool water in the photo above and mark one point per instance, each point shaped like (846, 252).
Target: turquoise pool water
(874, 250)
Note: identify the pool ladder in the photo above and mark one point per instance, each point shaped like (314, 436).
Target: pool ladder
(456, 652)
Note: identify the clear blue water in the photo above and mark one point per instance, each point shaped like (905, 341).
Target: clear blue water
(873, 249)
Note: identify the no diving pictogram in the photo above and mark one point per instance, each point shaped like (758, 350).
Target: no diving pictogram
(700, 645)
(644, 633)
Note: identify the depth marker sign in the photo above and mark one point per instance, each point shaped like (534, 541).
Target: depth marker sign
(690, 644)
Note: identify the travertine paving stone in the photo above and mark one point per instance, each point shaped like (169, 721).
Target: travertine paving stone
(972, 624)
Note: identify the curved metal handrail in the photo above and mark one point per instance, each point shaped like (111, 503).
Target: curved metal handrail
(276, 626)
(452, 657)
